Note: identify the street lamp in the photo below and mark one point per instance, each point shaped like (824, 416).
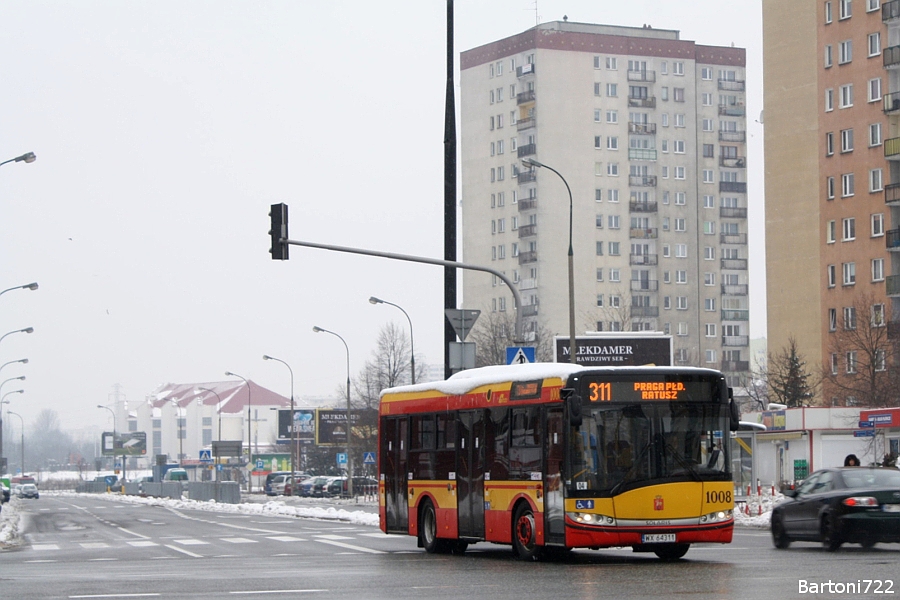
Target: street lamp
(249, 435)
(533, 163)
(26, 330)
(28, 157)
(27, 286)
(180, 432)
(219, 412)
(2, 402)
(24, 361)
(293, 448)
(113, 413)
(9, 412)
(412, 351)
(349, 455)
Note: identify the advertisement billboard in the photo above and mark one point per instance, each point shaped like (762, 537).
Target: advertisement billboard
(619, 351)
(132, 443)
(304, 425)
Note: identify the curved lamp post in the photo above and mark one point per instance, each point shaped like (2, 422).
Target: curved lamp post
(9, 412)
(249, 433)
(219, 413)
(2, 402)
(533, 163)
(26, 330)
(412, 350)
(28, 157)
(24, 361)
(180, 431)
(293, 448)
(349, 455)
(27, 286)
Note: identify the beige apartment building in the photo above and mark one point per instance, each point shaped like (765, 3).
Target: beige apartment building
(649, 132)
(832, 108)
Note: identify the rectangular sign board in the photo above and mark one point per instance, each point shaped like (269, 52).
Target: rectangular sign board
(132, 443)
(304, 426)
(619, 351)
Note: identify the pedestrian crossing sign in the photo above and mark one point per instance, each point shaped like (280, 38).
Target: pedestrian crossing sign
(519, 355)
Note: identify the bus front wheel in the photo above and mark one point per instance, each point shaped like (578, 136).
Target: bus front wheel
(524, 533)
(672, 551)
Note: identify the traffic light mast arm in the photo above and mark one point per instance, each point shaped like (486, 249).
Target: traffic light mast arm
(427, 261)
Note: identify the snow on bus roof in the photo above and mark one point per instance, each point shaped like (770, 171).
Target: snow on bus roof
(466, 381)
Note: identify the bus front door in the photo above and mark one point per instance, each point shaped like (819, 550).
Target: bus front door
(393, 468)
(470, 474)
(554, 504)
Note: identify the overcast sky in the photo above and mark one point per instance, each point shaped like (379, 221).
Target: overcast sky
(164, 130)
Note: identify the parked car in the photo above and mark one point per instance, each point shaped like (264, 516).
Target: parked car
(844, 505)
(27, 490)
(176, 475)
(4, 493)
(361, 485)
(281, 478)
(309, 487)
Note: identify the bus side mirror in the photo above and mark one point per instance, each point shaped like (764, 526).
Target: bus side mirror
(735, 413)
(573, 401)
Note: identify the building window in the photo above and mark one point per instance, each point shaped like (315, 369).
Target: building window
(709, 279)
(680, 250)
(706, 74)
(612, 169)
(599, 274)
(847, 187)
(678, 95)
(878, 319)
(680, 302)
(680, 225)
(599, 248)
(880, 364)
(834, 364)
(829, 100)
(849, 273)
(832, 275)
(710, 356)
(612, 63)
(877, 224)
(612, 116)
(612, 195)
(846, 95)
(679, 172)
(678, 146)
(829, 58)
(845, 52)
(709, 253)
(612, 90)
(875, 89)
(614, 221)
(677, 68)
(681, 277)
(683, 330)
(709, 304)
(832, 319)
(710, 201)
(851, 361)
(875, 43)
(849, 226)
(828, 17)
(829, 143)
(875, 181)
(849, 317)
(877, 269)
(846, 140)
(872, 5)
(614, 276)
(599, 299)
(875, 134)
(598, 142)
(679, 120)
(829, 187)
(709, 228)
(612, 142)
(710, 330)
(613, 251)
(846, 9)
(830, 235)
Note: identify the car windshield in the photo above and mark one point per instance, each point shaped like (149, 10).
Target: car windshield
(871, 478)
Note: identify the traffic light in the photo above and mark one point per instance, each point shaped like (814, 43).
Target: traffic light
(279, 231)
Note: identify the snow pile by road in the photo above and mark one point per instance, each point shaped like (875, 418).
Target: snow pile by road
(10, 524)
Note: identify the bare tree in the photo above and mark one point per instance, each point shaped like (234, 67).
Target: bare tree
(862, 370)
(789, 381)
(388, 367)
(495, 331)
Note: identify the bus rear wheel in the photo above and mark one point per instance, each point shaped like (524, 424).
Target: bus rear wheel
(428, 538)
(524, 533)
(672, 551)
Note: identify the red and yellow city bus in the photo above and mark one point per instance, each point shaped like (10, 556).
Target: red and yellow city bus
(550, 457)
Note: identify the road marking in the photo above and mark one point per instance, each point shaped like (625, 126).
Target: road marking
(94, 545)
(278, 592)
(351, 547)
(191, 542)
(239, 540)
(285, 538)
(144, 537)
(40, 561)
(142, 543)
(183, 551)
(332, 537)
(144, 595)
(44, 547)
(100, 559)
(380, 534)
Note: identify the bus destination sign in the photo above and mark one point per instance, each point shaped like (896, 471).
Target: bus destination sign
(609, 390)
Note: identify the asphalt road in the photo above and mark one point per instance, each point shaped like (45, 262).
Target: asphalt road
(83, 547)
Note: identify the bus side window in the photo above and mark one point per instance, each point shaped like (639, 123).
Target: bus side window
(497, 438)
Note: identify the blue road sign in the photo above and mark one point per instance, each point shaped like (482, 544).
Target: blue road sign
(864, 433)
(518, 355)
(342, 458)
(205, 456)
(260, 464)
(368, 458)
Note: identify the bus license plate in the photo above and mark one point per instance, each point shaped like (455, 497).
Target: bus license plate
(654, 538)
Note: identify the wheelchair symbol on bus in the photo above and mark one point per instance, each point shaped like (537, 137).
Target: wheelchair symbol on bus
(584, 504)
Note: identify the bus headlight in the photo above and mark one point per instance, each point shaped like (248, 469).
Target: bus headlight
(717, 517)
(592, 519)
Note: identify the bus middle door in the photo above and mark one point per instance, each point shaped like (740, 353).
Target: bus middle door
(394, 461)
(470, 474)
(554, 502)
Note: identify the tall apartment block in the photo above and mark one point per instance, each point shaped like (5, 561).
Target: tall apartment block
(832, 141)
(649, 131)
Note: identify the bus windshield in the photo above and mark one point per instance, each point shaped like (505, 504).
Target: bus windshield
(621, 447)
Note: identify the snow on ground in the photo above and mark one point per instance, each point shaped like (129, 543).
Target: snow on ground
(11, 524)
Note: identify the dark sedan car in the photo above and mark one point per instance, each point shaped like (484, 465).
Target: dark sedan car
(851, 504)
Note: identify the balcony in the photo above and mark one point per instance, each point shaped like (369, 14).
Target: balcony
(641, 128)
(525, 70)
(892, 193)
(735, 110)
(732, 86)
(526, 123)
(525, 97)
(735, 340)
(732, 212)
(892, 285)
(528, 284)
(733, 238)
(644, 285)
(527, 150)
(891, 57)
(735, 315)
(739, 187)
(735, 264)
(736, 162)
(892, 240)
(644, 311)
(641, 154)
(642, 181)
(646, 260)
(892, 148)
(642, 75)
(642, 207)
(527, 257)
(643, 234)
(890, 10)
(740, 289)
(642, 102)
(891, 103)
(732, 136)
(527, 204)
(530, 310)
(527, 231)
(735, 365)
(526, 177)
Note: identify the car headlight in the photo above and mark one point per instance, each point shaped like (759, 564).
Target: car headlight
(717, 517)
(592, 519)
